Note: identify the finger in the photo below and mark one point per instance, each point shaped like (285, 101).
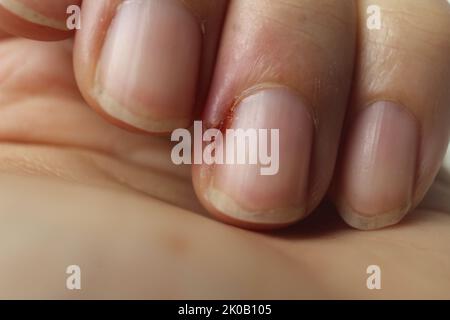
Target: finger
(40, 20)
(398, 124)
(145, 63)
(283, 65)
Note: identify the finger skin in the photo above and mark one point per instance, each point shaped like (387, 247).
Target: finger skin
(160, 251)
(404, 66)
(3, 34)
(38, 20)
(266, 48)
(140, 251)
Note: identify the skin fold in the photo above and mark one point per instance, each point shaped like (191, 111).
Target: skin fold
(76, 190)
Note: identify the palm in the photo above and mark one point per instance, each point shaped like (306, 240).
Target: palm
(108, 168)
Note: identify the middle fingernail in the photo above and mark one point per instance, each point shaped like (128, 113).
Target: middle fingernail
(240, 191)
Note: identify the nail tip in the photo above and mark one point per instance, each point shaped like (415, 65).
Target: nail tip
(230, 208)
(114, 109)
(364, 222)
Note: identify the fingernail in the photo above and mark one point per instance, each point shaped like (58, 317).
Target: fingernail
(148, 68)
(34, 12)
(240, 191)
(379, 166)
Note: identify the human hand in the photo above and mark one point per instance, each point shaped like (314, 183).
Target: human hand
(112, 177)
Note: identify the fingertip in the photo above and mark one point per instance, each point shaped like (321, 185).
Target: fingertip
(120, 115)
(143, 64)
(260, 193)
(225, 209)
(377, 175)
(368, 222)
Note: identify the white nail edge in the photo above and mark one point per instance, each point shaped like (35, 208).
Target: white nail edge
(110, 106)
(373, 222)
(227, 206)
(32, 16)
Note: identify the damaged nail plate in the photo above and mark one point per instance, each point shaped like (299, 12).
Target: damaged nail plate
(239, 190)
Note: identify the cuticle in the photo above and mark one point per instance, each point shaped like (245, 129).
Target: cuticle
(229, 113)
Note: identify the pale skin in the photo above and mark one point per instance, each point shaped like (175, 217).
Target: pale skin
(75, 188)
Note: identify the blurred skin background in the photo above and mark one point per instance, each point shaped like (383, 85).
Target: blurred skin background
(78, 189)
